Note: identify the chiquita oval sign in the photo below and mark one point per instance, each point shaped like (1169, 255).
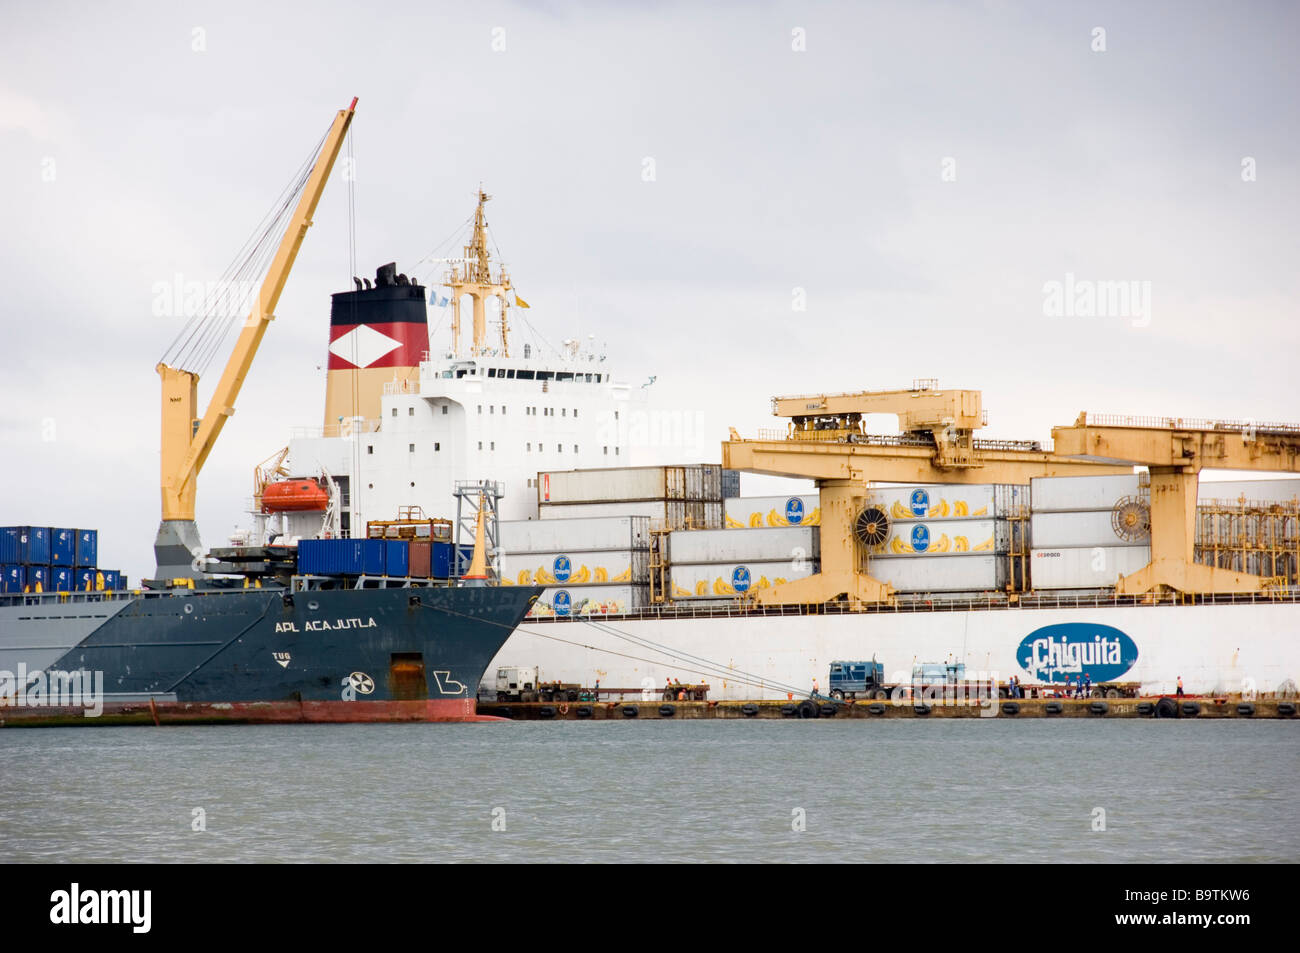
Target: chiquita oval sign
(1058, 653)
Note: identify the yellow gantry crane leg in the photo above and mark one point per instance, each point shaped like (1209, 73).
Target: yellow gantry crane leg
(187, 439)
(1175, 450)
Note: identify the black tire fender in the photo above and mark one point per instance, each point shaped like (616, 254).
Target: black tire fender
(546, 711)
(1098, 708)
(876, 708)
(630, 711)
(1246, 710)
(921, 709)
(1146, 708)
(1166, 708)
(667, 711)
(789, 711)
(1286, 709)
(749, 711)
(1191, 709)
(584, 711)
(827, 711)
(1053, 708)
(807, 709)
(1010, 708)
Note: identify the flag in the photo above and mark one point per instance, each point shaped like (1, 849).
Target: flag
(435, 300)
(520, 301)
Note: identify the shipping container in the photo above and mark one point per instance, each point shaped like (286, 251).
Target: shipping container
(113, 580)
(1076, 530)
(63, 579)
(700, 482)
(1089, 568)
(950, 500)
(87, 548)
(332, 557)
(63, 546)
(1259, 491)
(586, 601)
(585, 535)
(372, 557)
(1073, 494)
(946, 537)
(730, 483)
(397, 557)
(420, 558)
(709, 581)
(576, 568)
(671, 514)
(28, 545)
(969, 572)
(738, 546)
(752, 512)
(38, 578)
(13, 578)
(83, 578)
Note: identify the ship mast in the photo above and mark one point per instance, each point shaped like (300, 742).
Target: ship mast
(475, 279)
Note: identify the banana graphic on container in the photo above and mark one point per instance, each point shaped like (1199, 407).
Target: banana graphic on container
(982, 511)
(722, 587)
(732, 523)
(959, 508)
(624, 576)
(961, 544)
(985, 546)
(814, 518)
(943, 545)
(679, 591)
(755, 520)
(776, 519)
(900, 512)
(543, 577)
(939, 509)
(701, 588)
(525, 577)
(579, 577)
(602, 574)
(898, 545)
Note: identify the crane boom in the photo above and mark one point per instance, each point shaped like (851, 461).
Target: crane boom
(186, 439)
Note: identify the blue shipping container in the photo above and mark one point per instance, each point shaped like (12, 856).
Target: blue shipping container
(38, 576)
(440, 561)
(29, 545)
(83, 579)
(398, 558)
(12, 578)
(63, 546)
(113, 579)
(331, 557)
(373, 560)
(62, 579)
(87, 548)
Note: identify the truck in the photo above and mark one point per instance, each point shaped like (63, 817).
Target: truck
(867, 679)
(521, 683)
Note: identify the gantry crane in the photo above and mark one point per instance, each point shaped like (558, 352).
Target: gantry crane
(187, 439)
(826, 442)
(1175, 450)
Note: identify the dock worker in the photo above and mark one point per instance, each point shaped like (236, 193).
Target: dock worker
(1087, 685)
(1180, 686)
(814, 691)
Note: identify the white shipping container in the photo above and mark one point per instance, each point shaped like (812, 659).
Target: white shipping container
(736, 546)
(576, 568)
(1072, 494)
(1089, 568)
(751, 512)
(945, 537)
(703, 580)
(701, 481)
(1075, 530)
(968, 573)
(587, 535)
(586, 601)
(1262, 491)
(949, 500)
(673, 514)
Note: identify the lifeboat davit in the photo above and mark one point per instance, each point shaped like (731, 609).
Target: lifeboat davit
(294, 496)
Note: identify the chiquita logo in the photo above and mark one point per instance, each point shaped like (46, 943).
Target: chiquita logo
(563, 568)
(920, 502)
(740, 579)
(794, 511)
(920, 537)
(1057, 653)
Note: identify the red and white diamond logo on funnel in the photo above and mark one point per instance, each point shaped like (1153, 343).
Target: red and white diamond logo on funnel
(363, 346)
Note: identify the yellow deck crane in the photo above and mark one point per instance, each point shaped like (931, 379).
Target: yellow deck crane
(187, 439)
(826, 442)
(1175, 450)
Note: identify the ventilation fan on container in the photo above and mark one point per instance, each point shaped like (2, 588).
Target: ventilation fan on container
(872, 526)
(1131, 519)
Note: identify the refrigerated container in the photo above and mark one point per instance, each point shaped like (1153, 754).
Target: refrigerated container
(1076, 530)
(1084, 568)
(1074, 494)
(590, 534)
(701, 482)
(753, 512)
(714, 580)
(737, 546)
(671, 514)
(946, 537)
(967, 572)
(587, 601)
(576, 568)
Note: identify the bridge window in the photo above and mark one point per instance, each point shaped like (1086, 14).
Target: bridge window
(480, 444)
(410, 411)
(524, 375)
(370, 448)
(394, 411)
(444, 408)
(410, 448)
(437, 447)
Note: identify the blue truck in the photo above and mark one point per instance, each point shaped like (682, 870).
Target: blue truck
(851, 679)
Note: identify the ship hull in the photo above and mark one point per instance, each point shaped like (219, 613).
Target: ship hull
(1215, 649)
(261, 655)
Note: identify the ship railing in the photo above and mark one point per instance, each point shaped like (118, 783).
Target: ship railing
(1249, 427)
(358, 425)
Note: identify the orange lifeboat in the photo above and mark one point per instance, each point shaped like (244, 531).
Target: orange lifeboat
(294, 496)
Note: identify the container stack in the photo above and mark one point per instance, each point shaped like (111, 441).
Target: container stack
(589, 565)
(724, 563)
(363, 557)
(53, 559)
(675, 497)
(947, 537)
(1075, 543)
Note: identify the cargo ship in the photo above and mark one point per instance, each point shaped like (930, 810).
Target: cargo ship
(239, 635)
(1099, 553)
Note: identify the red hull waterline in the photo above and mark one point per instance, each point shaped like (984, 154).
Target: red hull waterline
(457, 710)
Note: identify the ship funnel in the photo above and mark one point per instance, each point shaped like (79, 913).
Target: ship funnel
(377, 335)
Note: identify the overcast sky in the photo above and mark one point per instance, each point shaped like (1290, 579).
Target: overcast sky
(915, 173)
